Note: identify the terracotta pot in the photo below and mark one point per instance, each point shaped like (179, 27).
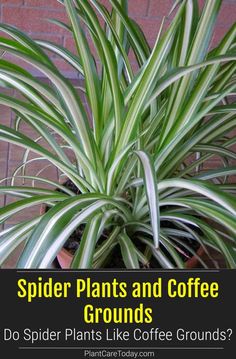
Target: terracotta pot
(64, 258)
(193, 261)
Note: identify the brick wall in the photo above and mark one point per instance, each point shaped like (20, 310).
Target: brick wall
(30, 16)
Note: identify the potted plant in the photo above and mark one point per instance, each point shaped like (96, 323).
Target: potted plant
(142, 192)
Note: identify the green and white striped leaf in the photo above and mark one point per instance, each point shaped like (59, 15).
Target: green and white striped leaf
(150, 184)
(128, 252)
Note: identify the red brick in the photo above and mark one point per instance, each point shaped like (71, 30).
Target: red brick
(12, 2)
(65, 68)
(218, 35)
(227, 15)
(92, 48)
(69, 44)
(44, 3)
(138, 7)
(5, 112)
(33, 20)
(213, 163)
(160, 7)
(3, 162)
(132, 57)
(56, 39)
(11, 261)
(48, 172)
(105, 2)
(133, 61)
(135, 67)
(149, 26)
(16, 153)
(33, 167)
(232, 179)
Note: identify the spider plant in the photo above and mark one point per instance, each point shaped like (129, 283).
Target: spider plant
(140, 148)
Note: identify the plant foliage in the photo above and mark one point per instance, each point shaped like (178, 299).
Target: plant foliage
(140, 148)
